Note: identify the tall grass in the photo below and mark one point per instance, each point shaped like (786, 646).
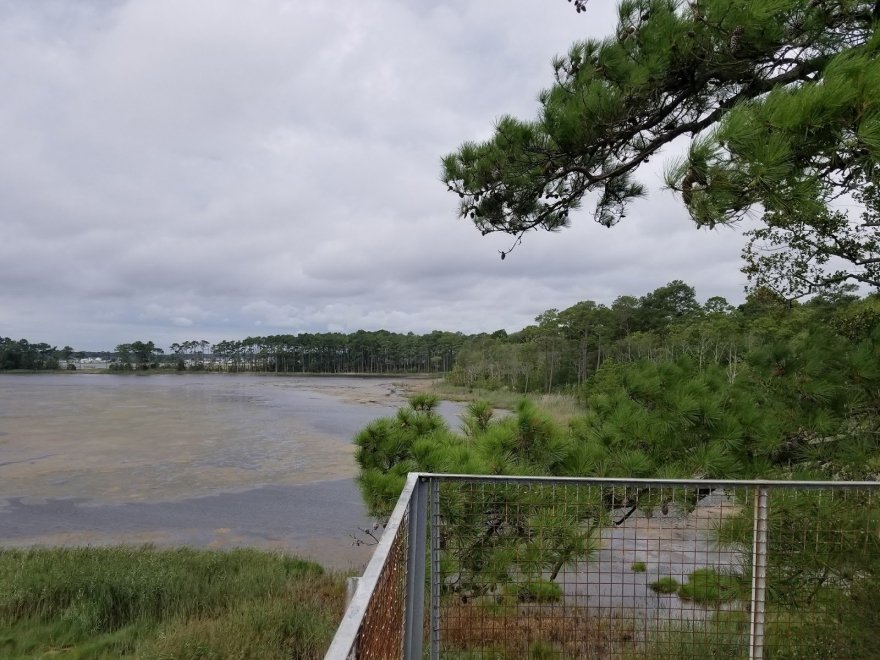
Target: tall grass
(511, 631)
(108, 602)
(562, 408)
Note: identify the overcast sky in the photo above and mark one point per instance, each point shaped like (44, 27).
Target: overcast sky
(214, 169)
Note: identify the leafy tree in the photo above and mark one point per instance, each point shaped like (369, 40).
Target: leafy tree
(780, 100)
(717, 305)
(667, 304)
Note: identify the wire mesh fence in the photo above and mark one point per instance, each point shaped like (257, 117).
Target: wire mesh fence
(381, 634)
(554, 568)
(579, 570)
(375, 622)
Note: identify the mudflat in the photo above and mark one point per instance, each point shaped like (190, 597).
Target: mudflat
(210, 460)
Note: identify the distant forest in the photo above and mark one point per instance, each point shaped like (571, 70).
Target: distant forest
(560, 351)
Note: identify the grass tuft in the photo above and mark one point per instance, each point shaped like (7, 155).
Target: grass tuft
(708, 586)
(665, 585)
(536, 591)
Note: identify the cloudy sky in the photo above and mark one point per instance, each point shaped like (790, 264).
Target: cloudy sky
(214, 169)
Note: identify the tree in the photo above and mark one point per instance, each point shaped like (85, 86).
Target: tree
(779, 98)
(578, 323)
(717, 305)
(124, 352)
(142, 353)
(667, 304)
(495, 533)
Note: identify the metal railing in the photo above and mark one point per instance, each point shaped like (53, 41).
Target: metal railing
(532, 567)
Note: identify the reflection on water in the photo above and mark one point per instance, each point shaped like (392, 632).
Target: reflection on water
(199, 459)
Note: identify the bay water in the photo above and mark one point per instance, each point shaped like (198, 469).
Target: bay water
(206, 460)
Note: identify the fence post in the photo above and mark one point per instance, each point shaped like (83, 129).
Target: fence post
(351, 585)
(435, 569)
(414, 617)
(759, 575)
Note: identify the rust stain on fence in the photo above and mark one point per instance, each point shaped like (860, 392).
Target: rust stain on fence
(381, 634)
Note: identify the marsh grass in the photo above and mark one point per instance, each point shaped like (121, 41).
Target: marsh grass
(483, 630)
(140, 602)
(724, 636)
(665, 585)
(708, 586)
(534, 591)
(562, 408)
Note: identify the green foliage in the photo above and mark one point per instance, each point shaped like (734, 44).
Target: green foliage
(708, 586)
(723, 637)
(779, 98)
(665, 585)
(136, 355)
(844, 552)
(489, 529)
(477, 418)
(22, 354)
(844, 624)
(722, 394)
(638, 567)
(423, 402)
(360, 352)
(770, 390)
(534, 591)
(113, 602)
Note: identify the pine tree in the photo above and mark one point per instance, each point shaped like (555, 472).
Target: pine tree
(781, 102)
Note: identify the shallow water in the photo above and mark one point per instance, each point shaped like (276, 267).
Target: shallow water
(201, 459)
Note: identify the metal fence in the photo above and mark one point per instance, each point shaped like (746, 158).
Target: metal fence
(529, 567)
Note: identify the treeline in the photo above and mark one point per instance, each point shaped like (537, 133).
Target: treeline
(561, 351)
(565, 348)
(361, 352)
(766, 391)
(22, 354)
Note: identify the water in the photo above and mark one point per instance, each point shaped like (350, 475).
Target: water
(203, 460)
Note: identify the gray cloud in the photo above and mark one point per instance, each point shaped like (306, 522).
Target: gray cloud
(216, 169)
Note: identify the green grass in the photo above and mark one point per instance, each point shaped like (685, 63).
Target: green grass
(724, 636)
(535, 591)
(665, 585)
(639, 567)
(109, 602)
(708, 586)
